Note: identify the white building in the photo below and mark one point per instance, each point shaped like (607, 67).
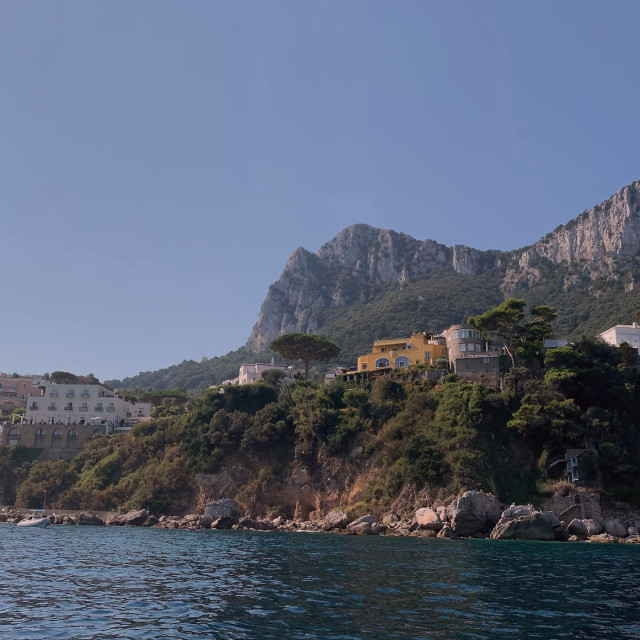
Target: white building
(629, 333)
(249, 373)
(77, 404)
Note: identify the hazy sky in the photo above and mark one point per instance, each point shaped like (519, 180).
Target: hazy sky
(159, 161)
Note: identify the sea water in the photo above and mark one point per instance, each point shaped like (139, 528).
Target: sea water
(107, 582)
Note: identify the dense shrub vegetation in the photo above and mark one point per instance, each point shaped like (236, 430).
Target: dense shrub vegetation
(446, 435)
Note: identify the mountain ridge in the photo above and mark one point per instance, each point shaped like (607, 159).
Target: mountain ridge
(587, 268)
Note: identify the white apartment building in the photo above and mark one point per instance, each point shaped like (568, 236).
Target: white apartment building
(629, 333)
(77, 404)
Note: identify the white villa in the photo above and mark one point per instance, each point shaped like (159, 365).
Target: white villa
(629, 333)
(249, 373)
(78, 404)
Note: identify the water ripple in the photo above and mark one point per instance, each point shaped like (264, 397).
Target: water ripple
(93, 583)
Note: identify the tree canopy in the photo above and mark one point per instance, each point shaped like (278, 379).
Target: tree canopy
(63, 377)
(521, 340)
(305, 347)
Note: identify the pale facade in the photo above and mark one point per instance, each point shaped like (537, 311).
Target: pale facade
(629, 333)
(249, 373)
(79, 404)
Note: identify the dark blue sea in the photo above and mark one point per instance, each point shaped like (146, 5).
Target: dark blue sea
(95, 582)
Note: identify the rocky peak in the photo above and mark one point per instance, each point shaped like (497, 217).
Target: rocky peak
(599, 242)
(361, 259)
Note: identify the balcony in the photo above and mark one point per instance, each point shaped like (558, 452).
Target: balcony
(53, 394)
(84, 394)
(70, 394)
(33, 407)
(52, 407)
(69, 407)
(84, 408)
(111, 409)
(98, 407)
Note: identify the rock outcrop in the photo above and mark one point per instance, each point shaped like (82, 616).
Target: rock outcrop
(222, 514)
(598, 243)
(475, 512)
(603, 242)
(428, 518)
(132, 519)
(528, 525)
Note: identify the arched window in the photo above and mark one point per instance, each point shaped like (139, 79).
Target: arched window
(57, 433)
(401, 361)
(14, 433)
(381, 363)
(40, 433)
(72, 433)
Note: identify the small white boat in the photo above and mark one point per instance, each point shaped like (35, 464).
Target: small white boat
(35, 520)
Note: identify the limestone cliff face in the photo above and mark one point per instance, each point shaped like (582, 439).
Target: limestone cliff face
(602, 242)
(359, 259)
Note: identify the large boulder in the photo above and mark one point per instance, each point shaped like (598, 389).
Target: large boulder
(593, 527)
(87, 518)
(131, 519)
(225, 508)
(362, 526)
(516, 510)
(337, 519)
(578, 528)
(535, 526)
(615, 527)
(474, 512)
(428, 518)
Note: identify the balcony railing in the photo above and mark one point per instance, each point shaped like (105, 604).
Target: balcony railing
(53, 394)
(83, 408)
(111, 409)
(84, 394)
(98, 407)
(33, 407)
(52, 407)
(70, 394)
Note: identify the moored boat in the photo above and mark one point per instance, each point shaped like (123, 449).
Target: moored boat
(35, 520)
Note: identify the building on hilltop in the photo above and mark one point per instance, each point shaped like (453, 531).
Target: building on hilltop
(59, 418)
(469, 356)
(79, 404)
(249, 373)
(420, 348)
(629, 333)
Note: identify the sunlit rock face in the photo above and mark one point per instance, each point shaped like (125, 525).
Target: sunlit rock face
(600, 243)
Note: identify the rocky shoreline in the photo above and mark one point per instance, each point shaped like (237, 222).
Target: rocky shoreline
(473, 515)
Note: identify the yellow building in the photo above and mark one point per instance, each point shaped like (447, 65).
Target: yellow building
(420, 348)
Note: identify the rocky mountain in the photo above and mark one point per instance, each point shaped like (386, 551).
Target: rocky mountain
(356, 265)
(367, 284)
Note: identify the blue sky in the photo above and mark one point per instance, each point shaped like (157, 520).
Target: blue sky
(159, 161)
